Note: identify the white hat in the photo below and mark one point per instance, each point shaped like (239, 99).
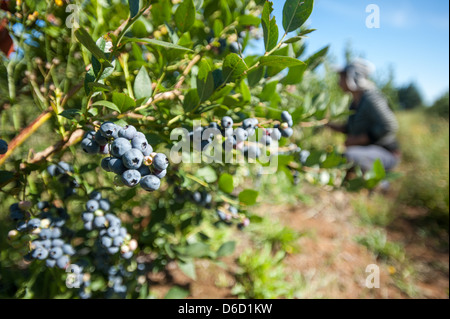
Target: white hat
(357, 74)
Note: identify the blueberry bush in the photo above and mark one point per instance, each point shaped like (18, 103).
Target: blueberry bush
(112, 116)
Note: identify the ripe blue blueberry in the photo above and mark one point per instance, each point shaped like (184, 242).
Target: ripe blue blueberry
(113, 231)
(118, 241)
(90, 146)
(46, 243)
(128, 132)
(113, 250)
(131, 177)
(116, 166)
(227, 122)
(105, 163)
(56, 252)
(34, 223)
(105, 205)
(275, 134)
(241, 134)
(120, 146)
(150, 183)
(109, 130)
(45, 233)
(127, 255)
(88, 226)
(92, 205)
(144, 170)
(3, 147)
(160, 174)
(40, 253)
(133, 158)
(160, 162)
(106, 241)
(87, 217)
(287, 118)
(113, 220)
(58, 242)
(68, 249)
(99, 222)
(287, 132)
(142, 145)
(62, 262)
(100, 139)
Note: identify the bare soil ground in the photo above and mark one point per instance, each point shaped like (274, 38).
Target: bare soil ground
(331, 261)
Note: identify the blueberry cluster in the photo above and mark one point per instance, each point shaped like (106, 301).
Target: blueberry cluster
(3, 147)
(113, 237)
(116, 278)
(76, 278)
(228, 213)
(61, 170)
(49, 229)
(234, 138)
(131, 156)
(202, 198)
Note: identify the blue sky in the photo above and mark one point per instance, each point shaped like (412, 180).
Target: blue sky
(412, 38)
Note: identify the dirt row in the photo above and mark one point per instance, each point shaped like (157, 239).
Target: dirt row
(331, 262)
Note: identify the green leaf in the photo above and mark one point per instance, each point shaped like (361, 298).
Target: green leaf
(295, 74)
(217, 26)
(188, 268)
(134, 7)
(191, 100)
(314, 60)
(233, 67)
(245, 91)
(248, 20)
(139, 30)
(96, 86)
(70, 113)
(208, 174)
(185, 15)
(226, 183)
(300, 36)
(85, 39)
(226, 249)
(142, 84)
(105, 46)
(108, 104)
(248, 197)
(255, 76)
(123, 101)
(205, 81)
(167, 45)
(196, 250)
(280, 61)
(177, 293)
(270, 28)
(295, 13)
(378, 169)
